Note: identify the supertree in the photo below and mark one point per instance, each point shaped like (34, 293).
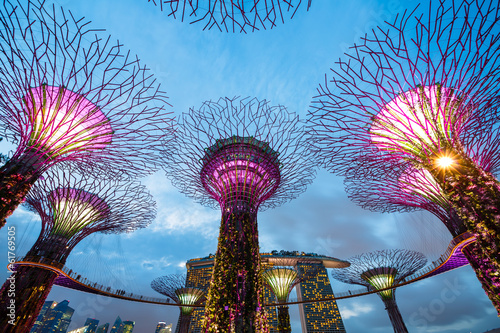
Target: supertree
(230, 15)
(71, 207)
(241, 155)
(67, 94)
(380, 270)
(404, 188)
(174, 286)
(282, 278)
(424, 91)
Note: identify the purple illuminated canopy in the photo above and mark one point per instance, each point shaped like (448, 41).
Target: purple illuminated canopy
(63, 121)
(240, 169)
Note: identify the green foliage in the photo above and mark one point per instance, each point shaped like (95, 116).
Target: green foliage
(235, 298)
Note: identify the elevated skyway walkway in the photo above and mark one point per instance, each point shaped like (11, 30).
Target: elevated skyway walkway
(453, 258)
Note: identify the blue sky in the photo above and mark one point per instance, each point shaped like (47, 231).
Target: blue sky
(283, 65)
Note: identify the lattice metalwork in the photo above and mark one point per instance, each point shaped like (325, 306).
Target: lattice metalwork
(380, 270)
(174, 287)
(241, 155)
(71, 206)
(419, 98)
(232, 15)
(69, 93)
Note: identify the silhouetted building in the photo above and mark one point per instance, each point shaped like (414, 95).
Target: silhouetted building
(92, 324)
(103, 328)
(56, 319)
(162, 327)
(318, 317)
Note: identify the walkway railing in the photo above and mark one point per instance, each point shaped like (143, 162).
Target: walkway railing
(72, 280)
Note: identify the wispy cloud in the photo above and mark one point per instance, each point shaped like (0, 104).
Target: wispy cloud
(356, 310)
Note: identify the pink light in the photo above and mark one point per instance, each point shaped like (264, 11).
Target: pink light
(421, 182)
(65, 122)
(416, 120)
(240, 168)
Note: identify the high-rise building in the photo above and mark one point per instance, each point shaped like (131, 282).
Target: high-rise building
(39, 320)
(315, 317)
(92, 324)
(162, 327)
(117, 326)
(56, 318)
(103, 328)
(84, 329)
(128, 326)
(320, 317)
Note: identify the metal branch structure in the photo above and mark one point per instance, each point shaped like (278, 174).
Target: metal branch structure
(240, 155)
(424, 90)
(71, 207)
(383, 269)
(67, 94)
(404, 188)
(174, 286)
(232, 15)
(282, 278)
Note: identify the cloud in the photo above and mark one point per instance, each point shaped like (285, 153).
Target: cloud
(156, 264)
(356, 309)
(187, 218)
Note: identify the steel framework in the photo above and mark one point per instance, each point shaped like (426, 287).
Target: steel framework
(383, 269)
(71, 206)
(424, 91)
(282, 278)
(174, 286)
(405, 188)
(232, 15)
(241, 155)
(68, 94)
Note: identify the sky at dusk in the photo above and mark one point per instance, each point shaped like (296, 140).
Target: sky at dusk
(284, 65)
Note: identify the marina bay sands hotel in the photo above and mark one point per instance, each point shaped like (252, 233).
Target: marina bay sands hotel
(318, 317)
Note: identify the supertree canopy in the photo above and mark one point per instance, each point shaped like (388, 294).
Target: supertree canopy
(174, 286)
(379, 270)
(404, 188)
(281, 278)
(67, 94)
(241, 155)
(71, 206)
(424, 91)
(232, 15)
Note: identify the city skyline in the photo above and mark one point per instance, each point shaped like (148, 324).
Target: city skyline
(285, 66)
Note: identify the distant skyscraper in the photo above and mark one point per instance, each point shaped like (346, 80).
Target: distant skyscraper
(56, 319)
(128, 326)
(320, 317)
(39, 320)
(162, 327)
(117, 326)
(92, 324)
(103, 328)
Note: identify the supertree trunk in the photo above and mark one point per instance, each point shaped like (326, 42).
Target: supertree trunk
(16, 179)
(475, 196)
(236, 286)
(283, 319)
(486, 273)
(27, 289)
(184, 324)
(395, 316)
(32, 286)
